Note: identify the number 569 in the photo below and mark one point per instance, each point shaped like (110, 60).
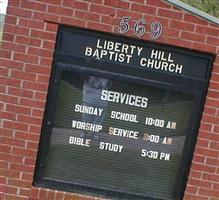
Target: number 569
(139, 28)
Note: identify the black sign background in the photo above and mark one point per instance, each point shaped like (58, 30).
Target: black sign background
(195, 65)
(70, 55)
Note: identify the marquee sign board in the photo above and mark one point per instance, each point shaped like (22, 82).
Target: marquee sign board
(122, 116)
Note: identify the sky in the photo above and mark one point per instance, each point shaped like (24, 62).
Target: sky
(3, 6)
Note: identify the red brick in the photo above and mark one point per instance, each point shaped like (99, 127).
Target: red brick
(15, 197)
(80, 5)
(12, 46)
(216, 186)
(206, 127)
(20, 92)
(211, 177)
(143, 9)
(29, 119)
(19, 12)
(110, 20)
(10, 173)
(17, 109)
(182, 25)
(177, 42)
(33, 5)
(48, 45)
(27, 136)
(32, 103)
(24, 152)
(86, 15)
(8, 189)
(60, 11)
(46, 17)
(192, 36)
(40, 52)
(207, 30)
(23, 75)
(216, 129)
(9, 98)
(198, 159)
(35, 129)
(213, 40)
(6, 132)
(28, 41)
(35, 86)
(171, 32)
(133, 15)
(205, 47)
(209, 192)
(29, 23)
(158, 3)
(194, 197)
(51, 27)
(13, 141)
(200, 183)
(15, 125)
(16, 29)
(35, 193)
(169, 13)
(10, 81)
(40, 95)
(43, 193)
(14, 3)
(25, 192)
(7, 115)
(26, 58)
(214, 145)
(32, 145)
(6, 148)
(27, 176)
(212, 161)
(99, 26)
(12, 64)
(8, 37)
(4, 164)
(5, 53)
(30, 161)
(11, 19)
(117, 4)
(207, 135)
(191, 189)
(19, 183)
(11, 158)
(4, 71)
(55, 2)
(213, 94)
(102, 10)
(203, 168)
(46, 61)
(37, 113)
(59, 195)
(208, 118)
(195, 174)
(194, 19)
(2, 180)
(213, 85)
(202, 143)
(72, 22)
(213, 103)
(37, 69)
(43, 35)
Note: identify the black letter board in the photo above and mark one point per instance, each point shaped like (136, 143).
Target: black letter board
(122, 116)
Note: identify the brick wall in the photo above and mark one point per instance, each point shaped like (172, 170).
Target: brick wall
(26, 58)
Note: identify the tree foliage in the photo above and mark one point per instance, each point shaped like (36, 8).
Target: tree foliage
(209, 6)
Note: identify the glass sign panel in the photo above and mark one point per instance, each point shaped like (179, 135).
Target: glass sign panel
(118, 135)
